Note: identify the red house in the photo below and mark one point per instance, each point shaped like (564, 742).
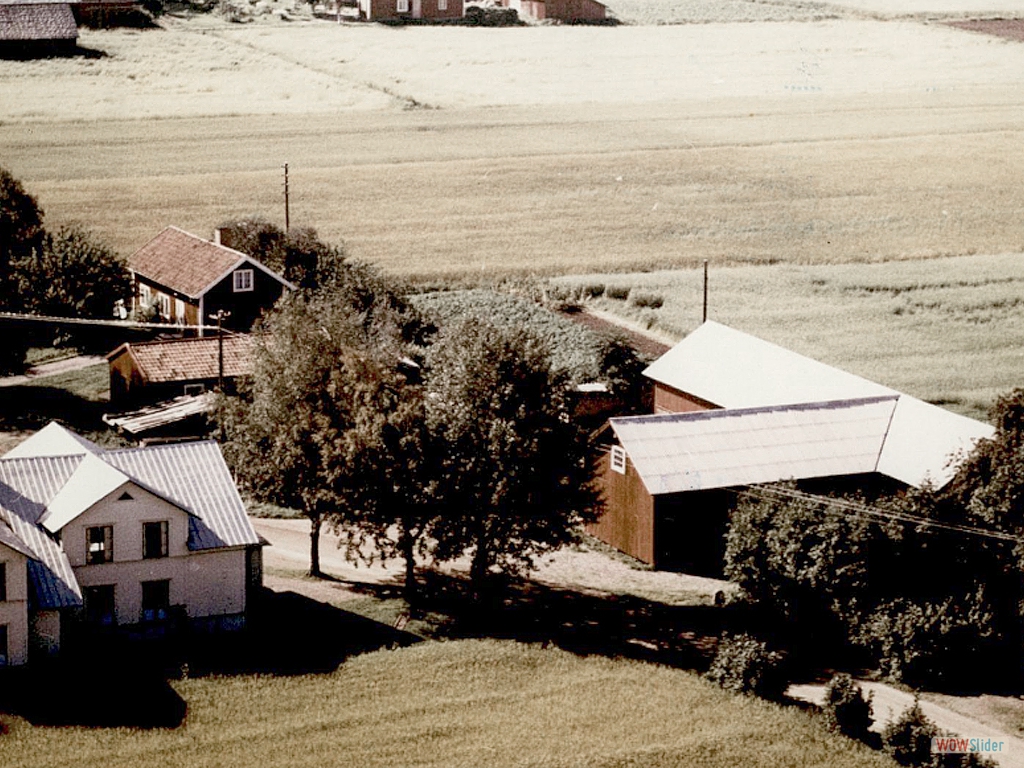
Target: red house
(188, 280)
(403, 10)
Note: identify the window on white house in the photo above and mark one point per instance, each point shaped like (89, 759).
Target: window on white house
(3, 582)
(99, 605)
(156, 600)
(100, 544)
(243, 278)
(154, 540)
(403, 6)
(3, 645)
(619, 459)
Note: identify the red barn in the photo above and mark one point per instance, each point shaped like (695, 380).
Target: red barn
(402, 10)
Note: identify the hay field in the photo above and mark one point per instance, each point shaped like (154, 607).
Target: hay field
(551, 150)
(946, 330)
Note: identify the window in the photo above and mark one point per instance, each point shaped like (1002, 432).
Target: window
(125, 497)
(3, 582)
(156, 600)
(154, 539)
(100, 544)
(442, 5)
(243, 277)
(195, 389)
(164, 304)
(403, 6)
(179, 311)
(3, 645)
(100, 606)
(619, 459)
(144, 296)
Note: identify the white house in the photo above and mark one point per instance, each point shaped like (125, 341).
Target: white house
(118, 538)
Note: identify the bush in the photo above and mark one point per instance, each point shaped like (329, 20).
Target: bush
(845, 709)
(908, 741)
(620, 292)
(743, 664)
(591, 290)
(488, 16)
(648, 300)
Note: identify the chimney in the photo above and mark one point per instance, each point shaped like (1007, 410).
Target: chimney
(216, 236)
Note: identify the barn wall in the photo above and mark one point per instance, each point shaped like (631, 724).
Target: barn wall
(670, 400)
(690, 531)
(575, 10)
(628, 520)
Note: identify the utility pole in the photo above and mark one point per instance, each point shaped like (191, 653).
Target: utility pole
(286, 212)
(220, 317)
(705, 290)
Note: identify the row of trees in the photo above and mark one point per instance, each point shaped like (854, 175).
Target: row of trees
(408, 440)
(938, 604)
(63, 272)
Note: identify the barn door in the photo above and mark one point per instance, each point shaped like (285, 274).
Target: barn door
(417, 9)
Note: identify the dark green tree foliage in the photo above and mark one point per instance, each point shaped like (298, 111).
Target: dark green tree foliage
(744, 664)
(518, 478)
(845, 709)
(21, 235)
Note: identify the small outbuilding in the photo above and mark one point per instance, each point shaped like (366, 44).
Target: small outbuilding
(37, 29)
(568, 11)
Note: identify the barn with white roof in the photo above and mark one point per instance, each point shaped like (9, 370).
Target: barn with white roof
(734, 411)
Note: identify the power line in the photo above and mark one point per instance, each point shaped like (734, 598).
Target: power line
(57, 320)
(859, 510)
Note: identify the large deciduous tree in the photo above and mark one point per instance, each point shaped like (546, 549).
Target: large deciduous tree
(518, 477)
(21, 235)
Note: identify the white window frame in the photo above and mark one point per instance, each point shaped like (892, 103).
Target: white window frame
(165, 305)
(442, 5)
(179, 311)
(195, 389)
(402, 6)
(144, 295)
(242, 280)
(618, 460)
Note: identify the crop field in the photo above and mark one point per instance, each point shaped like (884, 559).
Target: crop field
(801, 133)
(468, 703)
(946, 330)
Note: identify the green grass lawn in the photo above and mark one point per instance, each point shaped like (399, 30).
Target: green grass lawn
(467, 703)
(947, 330)
(76, 398)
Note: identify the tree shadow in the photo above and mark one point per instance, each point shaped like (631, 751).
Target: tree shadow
(33, 406)
(579, 622)
(36, 51)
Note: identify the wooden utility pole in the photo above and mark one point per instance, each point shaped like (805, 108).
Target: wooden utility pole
(221, 316)
(705, 290)
(287, 222)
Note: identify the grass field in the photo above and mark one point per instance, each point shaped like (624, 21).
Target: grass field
(546, 149)
(469, 703)
(947, 330)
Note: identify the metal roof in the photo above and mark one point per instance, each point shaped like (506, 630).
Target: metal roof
(41, 494)
(53, 440)
(160, 414)
(702, 450)
(732, 369)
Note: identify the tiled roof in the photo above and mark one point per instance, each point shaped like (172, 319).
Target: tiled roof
(37, 22)
(44, 492)
(184, 262)
(189, 359)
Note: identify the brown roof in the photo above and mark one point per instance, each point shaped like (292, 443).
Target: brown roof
(37, 21)
(188, 359)
(185, 263)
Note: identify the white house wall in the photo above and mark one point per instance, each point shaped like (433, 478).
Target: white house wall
(206, 583)
(14, 610)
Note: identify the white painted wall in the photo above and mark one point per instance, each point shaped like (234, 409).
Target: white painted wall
(208, 583)
(14, 610)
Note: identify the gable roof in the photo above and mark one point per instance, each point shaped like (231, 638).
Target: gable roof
(40, 494)
(702, 450)
(189, 359)
(31, 22)
(732, 369)
(763, 388)
(53, 440)
(189, 264)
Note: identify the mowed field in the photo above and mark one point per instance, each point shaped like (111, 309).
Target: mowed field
(795, 133)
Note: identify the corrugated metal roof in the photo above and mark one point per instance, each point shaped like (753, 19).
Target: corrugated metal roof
(53, 440)
(733, 369)
(196, 476)
(46, 492)
(26, 485)
(10, 539)
(727, 448)
(37, 22)
(160, 414)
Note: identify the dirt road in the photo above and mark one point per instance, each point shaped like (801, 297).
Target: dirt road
(889, 702)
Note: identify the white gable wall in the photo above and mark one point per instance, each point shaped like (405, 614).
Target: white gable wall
(206, 583)
(14, 610)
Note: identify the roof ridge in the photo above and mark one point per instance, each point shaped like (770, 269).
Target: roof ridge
(723, 412)
(196, 339)
(208, 242)
(885, 435)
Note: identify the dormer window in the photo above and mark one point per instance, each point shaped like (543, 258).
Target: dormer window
(243, 280)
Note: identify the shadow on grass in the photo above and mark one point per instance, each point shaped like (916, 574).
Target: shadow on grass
(582, 623)
(33, 406)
